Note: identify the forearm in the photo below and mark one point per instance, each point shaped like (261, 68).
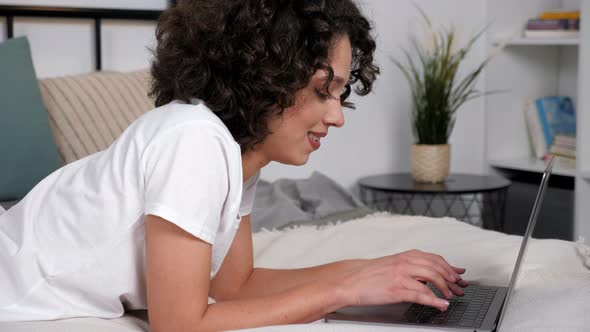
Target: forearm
(264, 282)
(305, 303)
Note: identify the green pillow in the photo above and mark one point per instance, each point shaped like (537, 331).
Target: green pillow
(27, 150)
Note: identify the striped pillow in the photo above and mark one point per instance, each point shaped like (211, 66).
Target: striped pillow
(89, 112)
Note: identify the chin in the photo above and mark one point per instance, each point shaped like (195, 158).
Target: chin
(300, 163)
(295, 160)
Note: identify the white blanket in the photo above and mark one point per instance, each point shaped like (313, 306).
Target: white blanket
(553, 293)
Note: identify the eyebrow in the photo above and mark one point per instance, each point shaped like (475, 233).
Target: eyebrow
(336, 79)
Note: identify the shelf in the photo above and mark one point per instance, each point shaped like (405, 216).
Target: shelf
(533, 165)
(540, 42)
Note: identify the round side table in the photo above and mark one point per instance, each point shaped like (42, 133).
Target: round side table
(476, 199)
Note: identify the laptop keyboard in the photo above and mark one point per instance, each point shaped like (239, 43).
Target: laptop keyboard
(464, 311)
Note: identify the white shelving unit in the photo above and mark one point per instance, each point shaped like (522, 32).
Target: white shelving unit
(530, 68)
(539, 41)
(531, 165)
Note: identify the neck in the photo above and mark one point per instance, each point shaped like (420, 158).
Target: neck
(252, 162)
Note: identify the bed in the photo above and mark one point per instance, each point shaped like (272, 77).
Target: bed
(312, 221)
(553, 293)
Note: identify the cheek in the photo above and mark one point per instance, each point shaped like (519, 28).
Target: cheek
(298, 121)
(310, 112)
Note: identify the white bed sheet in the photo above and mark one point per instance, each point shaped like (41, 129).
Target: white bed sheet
(553, 293)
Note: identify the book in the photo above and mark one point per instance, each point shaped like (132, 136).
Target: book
(540, 24)
(551, 33)
(536, 135)
(564, 146)
(565, 140)
(556, 116)
(560, 15)
(563, 151)
(561, 161)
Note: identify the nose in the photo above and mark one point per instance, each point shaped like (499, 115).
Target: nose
(334, 116)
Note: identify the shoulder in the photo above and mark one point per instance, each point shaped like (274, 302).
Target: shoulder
(194, 124)
(177, 117)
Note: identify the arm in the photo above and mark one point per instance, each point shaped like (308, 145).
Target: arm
(178, 267)
(177, 274)
(237, 279)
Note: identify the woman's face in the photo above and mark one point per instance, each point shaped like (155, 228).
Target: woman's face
(299, 130)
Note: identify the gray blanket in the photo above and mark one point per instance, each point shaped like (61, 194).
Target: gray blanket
(287, 200)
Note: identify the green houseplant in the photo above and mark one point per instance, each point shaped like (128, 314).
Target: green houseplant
(437, 94)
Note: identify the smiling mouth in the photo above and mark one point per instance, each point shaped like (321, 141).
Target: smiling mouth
(314, 137)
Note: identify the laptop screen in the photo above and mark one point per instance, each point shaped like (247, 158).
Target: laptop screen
(527, 235)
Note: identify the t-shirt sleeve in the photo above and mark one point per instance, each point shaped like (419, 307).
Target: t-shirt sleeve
(186, 179)
(248, 195)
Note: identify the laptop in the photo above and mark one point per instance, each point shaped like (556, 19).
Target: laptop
(481, 309)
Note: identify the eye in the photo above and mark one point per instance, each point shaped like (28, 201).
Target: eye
(322, 95)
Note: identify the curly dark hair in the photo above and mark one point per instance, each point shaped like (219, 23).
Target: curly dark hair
(246, 59)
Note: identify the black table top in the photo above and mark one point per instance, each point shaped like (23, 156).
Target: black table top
(455, 183)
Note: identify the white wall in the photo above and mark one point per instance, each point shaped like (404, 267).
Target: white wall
(377, 135)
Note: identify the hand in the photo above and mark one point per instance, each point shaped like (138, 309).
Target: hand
(402, 277)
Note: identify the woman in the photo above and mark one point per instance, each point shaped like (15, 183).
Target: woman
(160, 219)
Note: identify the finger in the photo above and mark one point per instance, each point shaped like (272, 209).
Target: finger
(449, 276)
(459, 270)
(456, 289)
(406, 295)
(451, 269)
(463, 283)
(431, 275)
(437, 260)
(417, 286)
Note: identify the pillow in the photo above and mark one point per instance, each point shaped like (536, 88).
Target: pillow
(26, 146)
(287, 200)
(88, 112)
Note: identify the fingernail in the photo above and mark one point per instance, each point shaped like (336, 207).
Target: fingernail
(443, 303)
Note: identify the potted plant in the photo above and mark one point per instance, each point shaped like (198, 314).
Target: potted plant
(437, 94)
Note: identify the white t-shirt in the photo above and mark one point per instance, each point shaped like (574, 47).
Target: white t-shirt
(75, 245)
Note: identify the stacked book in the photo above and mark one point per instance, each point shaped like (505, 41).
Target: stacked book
(554, 24)
(551, 124)
(564, 146)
